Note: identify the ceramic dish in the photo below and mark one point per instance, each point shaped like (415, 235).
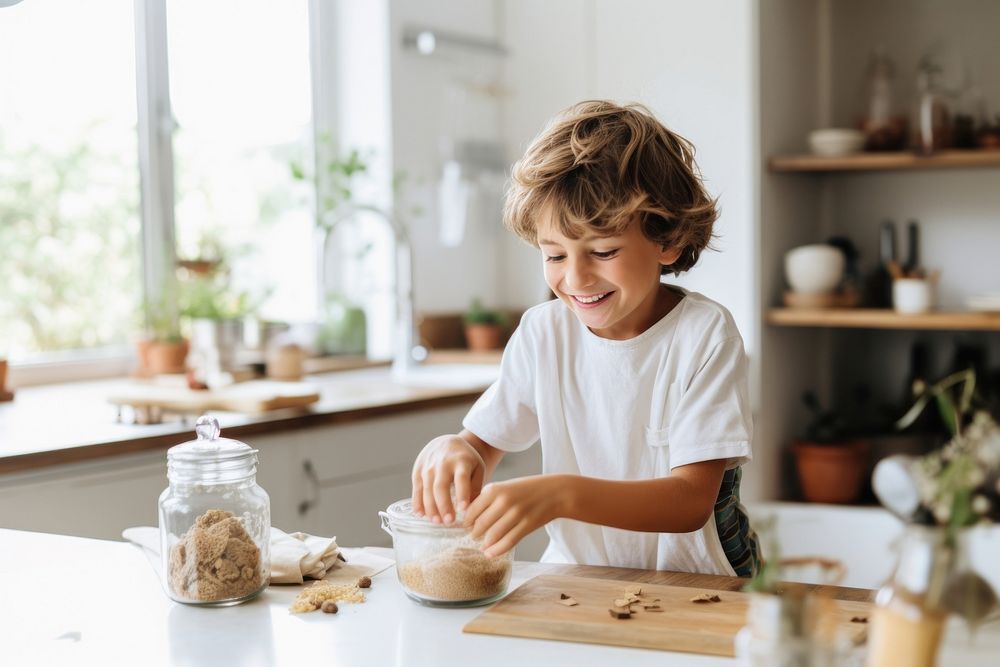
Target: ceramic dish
(836, 141)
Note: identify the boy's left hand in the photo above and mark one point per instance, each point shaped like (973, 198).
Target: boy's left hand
(505, 512)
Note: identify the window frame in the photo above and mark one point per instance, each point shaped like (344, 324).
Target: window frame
(155, 128)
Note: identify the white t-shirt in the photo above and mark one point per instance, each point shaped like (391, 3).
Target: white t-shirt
(624, 410)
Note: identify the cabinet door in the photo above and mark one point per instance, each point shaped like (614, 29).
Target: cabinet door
(349, 510)
(371, 460)
(98, 499)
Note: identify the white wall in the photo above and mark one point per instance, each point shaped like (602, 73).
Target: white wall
(437, 99)
(692, 64)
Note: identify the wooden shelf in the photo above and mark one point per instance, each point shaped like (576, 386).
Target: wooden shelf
(873, 318)
(898, 161)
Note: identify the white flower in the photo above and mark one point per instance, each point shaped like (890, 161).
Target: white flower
(980, 504)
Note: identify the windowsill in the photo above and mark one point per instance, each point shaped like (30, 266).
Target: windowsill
(71, 367)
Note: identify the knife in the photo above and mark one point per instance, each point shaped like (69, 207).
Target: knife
(913, 250)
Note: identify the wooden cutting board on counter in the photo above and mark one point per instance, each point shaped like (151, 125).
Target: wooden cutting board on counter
(253, 396)
(534, 610)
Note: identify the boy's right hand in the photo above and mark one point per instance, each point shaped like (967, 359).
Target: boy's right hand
(446, 460)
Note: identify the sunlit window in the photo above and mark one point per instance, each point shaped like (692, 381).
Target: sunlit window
(240, 93)
(69, 182)
(71, 250)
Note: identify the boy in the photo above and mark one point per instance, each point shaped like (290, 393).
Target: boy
(636, 389)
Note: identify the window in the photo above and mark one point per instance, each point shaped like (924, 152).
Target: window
(69, 182)
(240, 93)
(75, 269)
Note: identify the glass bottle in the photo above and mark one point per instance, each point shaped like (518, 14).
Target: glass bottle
(911, 609)
(884, 127)
(215, 521)
(933, 122)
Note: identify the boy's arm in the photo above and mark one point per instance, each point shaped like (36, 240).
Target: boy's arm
(505, 512)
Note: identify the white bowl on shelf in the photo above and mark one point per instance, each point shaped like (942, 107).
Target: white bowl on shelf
(835, 141)
(814, 269)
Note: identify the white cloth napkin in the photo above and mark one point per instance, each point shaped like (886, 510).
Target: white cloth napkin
(294, 556)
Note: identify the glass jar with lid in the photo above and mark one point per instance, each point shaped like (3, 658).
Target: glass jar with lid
(215, 521)
(443, 566)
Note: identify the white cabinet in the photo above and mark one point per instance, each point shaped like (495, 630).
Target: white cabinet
(330, 480)
(101, 498)
(96, 499)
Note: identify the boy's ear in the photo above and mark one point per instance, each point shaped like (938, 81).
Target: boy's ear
(669, 255)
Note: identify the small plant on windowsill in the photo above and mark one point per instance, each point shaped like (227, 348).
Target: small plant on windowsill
(484, 328)
(163, 349)
(830, 462)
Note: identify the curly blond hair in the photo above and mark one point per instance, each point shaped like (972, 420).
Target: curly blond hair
(598, 167)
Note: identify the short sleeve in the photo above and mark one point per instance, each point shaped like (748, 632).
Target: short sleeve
(505, 415)
(713, 420)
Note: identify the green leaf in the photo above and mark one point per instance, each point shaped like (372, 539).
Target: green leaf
(914, 412)
(946, 408)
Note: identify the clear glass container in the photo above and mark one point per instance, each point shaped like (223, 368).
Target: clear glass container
(932, 126)
(910, 611)
(884, 127)
(215, 521)
(443, 566)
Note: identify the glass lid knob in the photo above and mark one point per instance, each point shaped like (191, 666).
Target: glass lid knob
(207, 428)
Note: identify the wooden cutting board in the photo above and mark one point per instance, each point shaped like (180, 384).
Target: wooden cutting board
(253, 396)
(534, 610)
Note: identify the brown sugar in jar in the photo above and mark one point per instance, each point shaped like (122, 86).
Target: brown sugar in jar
(215, 521)
(443, 565)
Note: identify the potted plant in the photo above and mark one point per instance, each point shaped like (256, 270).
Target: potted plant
(163, 349)
(831, 464)
(943, 496)
(789, 623)
(484, 328)
(5, 395)
(216, 312)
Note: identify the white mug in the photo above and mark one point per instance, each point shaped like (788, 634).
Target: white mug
(912, 295)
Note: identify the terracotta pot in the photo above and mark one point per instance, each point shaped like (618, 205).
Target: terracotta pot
(831, 472)
(162, 357)
(483, 336)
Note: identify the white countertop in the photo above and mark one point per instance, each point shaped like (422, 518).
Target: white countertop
(75, 601)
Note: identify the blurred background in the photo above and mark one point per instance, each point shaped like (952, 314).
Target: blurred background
(167, 163)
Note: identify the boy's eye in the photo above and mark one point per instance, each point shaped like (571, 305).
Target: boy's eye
(554, 258)
(607, 254)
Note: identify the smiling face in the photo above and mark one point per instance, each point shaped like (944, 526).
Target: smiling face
(611, 283)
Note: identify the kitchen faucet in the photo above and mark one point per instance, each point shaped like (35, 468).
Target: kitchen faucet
(406, 355)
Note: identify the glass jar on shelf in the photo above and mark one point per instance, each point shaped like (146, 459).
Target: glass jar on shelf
(215, 521)
(884, 127)
(932, 122)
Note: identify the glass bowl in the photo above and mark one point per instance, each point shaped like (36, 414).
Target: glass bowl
(443, 566)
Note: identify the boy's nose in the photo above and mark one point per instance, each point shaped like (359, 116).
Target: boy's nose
(578, 276)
